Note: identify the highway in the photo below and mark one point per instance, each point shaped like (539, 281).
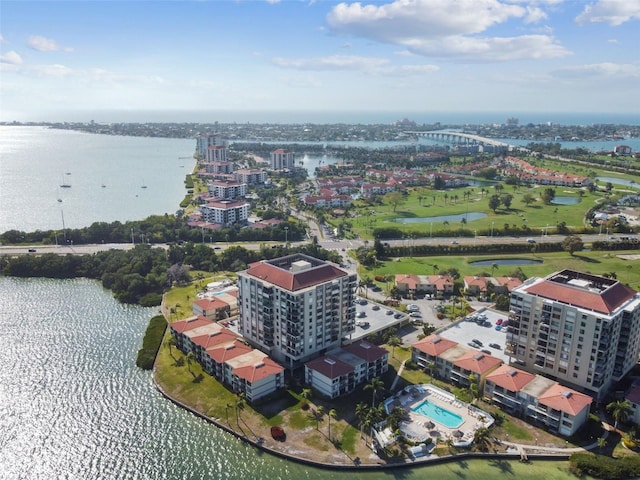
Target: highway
(324, 241)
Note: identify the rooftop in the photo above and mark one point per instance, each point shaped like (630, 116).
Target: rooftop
(510, 378)
(565, 400)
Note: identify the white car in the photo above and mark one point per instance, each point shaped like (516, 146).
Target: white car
(413, 308)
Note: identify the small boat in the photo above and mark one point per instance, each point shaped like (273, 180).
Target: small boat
(65, 184)
(103, 186)
(144, 185)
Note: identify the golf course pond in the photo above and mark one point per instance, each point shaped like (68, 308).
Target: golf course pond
(505, 261)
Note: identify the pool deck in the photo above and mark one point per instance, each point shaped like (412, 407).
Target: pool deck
(419, 428)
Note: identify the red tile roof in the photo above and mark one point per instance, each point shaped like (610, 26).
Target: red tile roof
(214, 338)
(190, 323)
(477, 362)
(366, 351)
(207, 304)
(565, 400)
(434, 345)
(508, 282)
(258, 371)
(510, 378)
(330, 366)
(224, 353)
(605, 301)
(411, 281)
(294, 281)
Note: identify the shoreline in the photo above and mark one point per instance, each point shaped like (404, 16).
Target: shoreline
(358, 465)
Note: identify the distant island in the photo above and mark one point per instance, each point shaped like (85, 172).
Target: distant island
(334, 132)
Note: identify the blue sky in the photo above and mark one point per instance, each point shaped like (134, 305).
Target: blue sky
(66, 60)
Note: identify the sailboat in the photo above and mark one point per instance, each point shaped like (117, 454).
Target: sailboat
(64, 184)
(59, 198)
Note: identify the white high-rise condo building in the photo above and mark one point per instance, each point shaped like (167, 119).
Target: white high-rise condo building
(203, 142)
(580, 329)
(296, 307)
(282, 159)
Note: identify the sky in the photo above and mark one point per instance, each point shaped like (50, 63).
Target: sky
(68, 61)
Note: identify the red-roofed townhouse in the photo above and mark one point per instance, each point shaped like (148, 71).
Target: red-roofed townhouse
(504, 285)
(202, 343)
(330, 376)
(412, 285)
(211, 308)
(561, 409)
(257, 379)
(503, 386)
(473, 363)
(475, 285)
(374, 360)
(217, 356)
(426, 353)
(181, 328)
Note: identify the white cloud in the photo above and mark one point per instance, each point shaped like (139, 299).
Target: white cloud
(493, 49)
(11, 57)
(600, 70)
(613, 12)
(425, 27)
(335, 62)
(368, 65)
(43, 44)
(2, 40)
(55, 70)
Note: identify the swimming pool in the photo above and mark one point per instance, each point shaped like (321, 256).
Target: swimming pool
(438, 414)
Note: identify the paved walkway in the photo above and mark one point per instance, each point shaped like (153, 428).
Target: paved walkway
(522, 448)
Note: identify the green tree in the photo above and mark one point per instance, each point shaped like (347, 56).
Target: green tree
(494, 202)
(528, 199)
(394, 341)
(319, 414)
(572, 244)
(548, 194)
(332, 414)
(506, 200)
(362, 410)
(620, 410)
(170, 342)
(394, 199)
(191, 358)
(602, 442)
(375, 385)
(481, 439)
(306, 393)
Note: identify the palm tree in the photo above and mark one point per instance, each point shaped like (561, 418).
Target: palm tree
(332, 414)
(239, 406)
(362, 409)
(429, 366)
(602, 442)
(190, 359)
(435, 269)
(481, 439)
(171, 342)
(306, 393)
(319, 415)
(494, 266)
(620, 410)
(375, 385)
(393, 342)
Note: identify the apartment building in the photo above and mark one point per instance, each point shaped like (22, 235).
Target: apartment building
(203, 142)
(251, 176)
(225, 212)
(282, 159)
(226, 189)
(296, 307)
(216, 153)
(580, 329)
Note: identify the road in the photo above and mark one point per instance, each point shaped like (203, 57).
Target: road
(324, 240)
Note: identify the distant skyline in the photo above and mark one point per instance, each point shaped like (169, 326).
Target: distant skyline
(78, 60)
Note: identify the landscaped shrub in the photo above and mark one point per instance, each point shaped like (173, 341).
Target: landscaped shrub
(278, 434)
(151, 342)
(601, 466)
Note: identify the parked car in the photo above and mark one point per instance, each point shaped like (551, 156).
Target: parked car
(496, 346)
(499, 321)
(412, 307)
(415, 315)
(375, 307)
(530, 240)
(397, 315)
(498, 327)
(478, 342)
(389, 312)
(484, 350)
(32, 250)
(361, 315)
(473, 344)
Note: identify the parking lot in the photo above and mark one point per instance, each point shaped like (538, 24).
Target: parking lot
(372, 317)
(483, 329)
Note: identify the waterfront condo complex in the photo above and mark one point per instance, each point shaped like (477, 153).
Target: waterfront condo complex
(295, 308)
(580, 329)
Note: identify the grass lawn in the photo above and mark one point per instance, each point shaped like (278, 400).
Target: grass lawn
(425, 202)
(595, 262)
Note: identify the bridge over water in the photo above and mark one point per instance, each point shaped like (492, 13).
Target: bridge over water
(459, 138)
